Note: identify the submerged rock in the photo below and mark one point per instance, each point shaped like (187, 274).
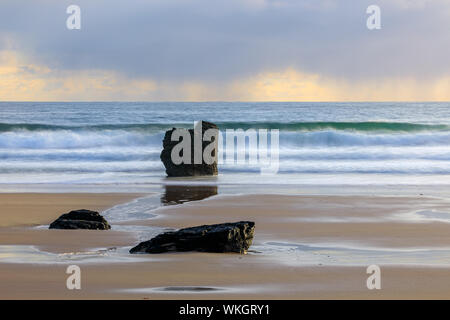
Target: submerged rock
(191, 168)
(81, 219)
(224, 237)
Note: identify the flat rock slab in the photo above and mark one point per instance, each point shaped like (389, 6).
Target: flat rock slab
(81, 219)
(225, 237)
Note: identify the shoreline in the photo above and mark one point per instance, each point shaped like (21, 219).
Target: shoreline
(408, 190)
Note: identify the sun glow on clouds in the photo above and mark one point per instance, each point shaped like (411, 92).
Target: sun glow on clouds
(24, 81)
(21, 80)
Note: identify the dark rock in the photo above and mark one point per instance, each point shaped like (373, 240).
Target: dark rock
(189, 169)
(224, 237)
(81, 219)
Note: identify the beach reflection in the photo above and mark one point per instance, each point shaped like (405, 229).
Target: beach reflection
(176, 194)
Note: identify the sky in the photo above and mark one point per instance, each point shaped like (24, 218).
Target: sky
(227, 50)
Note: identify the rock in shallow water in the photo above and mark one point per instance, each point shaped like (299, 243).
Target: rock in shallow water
(192, 168)
(81, 219)
(224, 237)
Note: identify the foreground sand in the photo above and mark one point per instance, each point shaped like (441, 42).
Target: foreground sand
(368, 221)
(34, 208)
(20, 212)
(244, 278)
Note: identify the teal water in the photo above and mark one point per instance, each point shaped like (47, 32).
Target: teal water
(320, 143)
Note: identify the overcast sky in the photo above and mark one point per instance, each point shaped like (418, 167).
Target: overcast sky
(225, 50)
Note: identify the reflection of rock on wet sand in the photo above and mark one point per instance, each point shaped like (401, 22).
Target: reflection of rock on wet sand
(180, 194)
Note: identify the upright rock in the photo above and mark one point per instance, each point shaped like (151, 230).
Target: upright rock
(224, 237)
(194, 167)
(81, 219)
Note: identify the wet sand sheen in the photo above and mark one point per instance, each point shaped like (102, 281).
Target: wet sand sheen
(360, 220)
(370, 221)
(21, 211)
(25, 209)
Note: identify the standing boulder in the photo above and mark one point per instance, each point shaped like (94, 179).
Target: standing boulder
(81, 219)
(194, 167)
(224, 237)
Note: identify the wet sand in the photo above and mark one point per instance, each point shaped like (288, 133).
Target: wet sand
(354, 221)
(20, 213)
(25, 209)
(233, 278)
(359, 220)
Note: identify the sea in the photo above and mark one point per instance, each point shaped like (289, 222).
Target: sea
(324, 148)
(119, 143)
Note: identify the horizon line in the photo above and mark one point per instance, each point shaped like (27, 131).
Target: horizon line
(223, 101)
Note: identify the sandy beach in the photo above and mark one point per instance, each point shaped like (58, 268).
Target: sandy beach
(27, 209)
(305, 247)
(224, 150)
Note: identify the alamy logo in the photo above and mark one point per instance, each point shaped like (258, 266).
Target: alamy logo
(74, 20)
(73, 282)
(257, 148)
(374, 281)
(374, 20)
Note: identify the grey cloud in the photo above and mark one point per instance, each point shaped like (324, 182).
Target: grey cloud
(212, 40)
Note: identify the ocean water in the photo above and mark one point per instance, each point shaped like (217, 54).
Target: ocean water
(320, 143)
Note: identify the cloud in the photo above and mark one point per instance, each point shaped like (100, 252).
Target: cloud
(213, 48)
(23, 80)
